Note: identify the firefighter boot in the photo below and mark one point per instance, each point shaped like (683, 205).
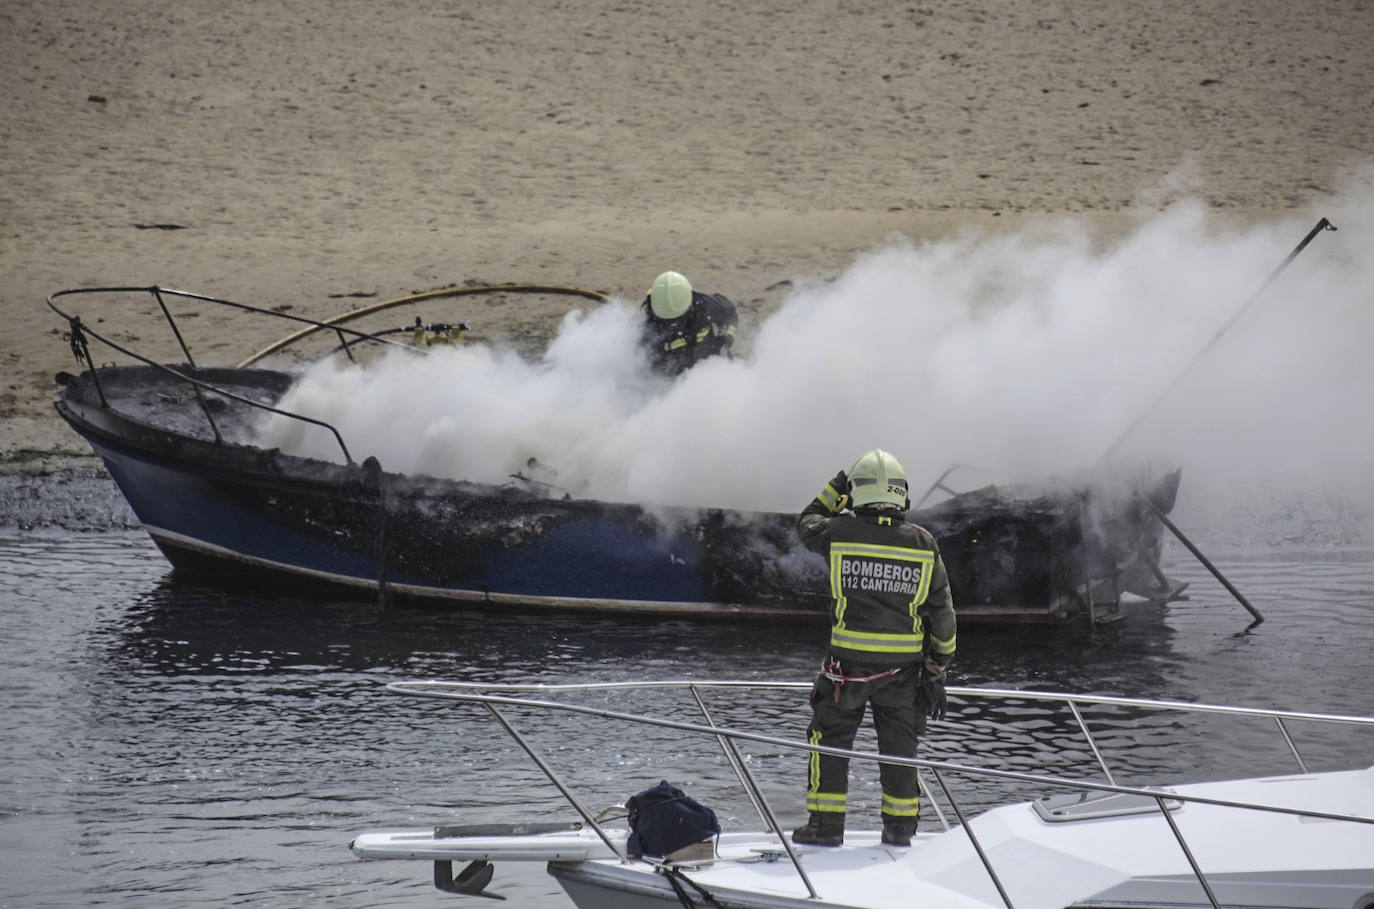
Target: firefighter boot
(898, 831)
(826, 828)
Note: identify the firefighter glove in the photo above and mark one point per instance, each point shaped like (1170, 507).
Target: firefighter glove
(841, 486)
(930, 697)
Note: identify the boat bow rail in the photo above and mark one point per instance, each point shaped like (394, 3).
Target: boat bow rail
(1093, 799)
(81, 333)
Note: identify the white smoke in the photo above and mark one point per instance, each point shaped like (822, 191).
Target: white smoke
(1027, 353)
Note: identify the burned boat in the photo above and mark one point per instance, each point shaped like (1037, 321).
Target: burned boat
(178, 441)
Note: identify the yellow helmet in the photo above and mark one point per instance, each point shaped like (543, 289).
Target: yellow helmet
(671, 295)
(878, 478)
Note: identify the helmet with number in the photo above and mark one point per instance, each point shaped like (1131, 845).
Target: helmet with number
(878, 480)
(671, 295)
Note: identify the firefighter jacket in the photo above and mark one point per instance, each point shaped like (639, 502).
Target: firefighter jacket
(891, 603)
(705, 329)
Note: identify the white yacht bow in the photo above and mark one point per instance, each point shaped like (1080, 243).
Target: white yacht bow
(1302, 840)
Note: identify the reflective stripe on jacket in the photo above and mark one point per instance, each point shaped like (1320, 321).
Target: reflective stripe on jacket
(888, 584)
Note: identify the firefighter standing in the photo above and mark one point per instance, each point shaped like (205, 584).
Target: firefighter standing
(892, 622)
(682, 326)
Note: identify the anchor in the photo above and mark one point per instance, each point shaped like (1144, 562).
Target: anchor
(471, 881)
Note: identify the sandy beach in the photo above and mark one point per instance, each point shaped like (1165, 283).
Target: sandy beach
(292, 152)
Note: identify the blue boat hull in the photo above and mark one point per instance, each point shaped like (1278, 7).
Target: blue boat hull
(235, 510)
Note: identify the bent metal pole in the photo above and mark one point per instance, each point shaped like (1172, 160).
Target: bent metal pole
(1321, 225)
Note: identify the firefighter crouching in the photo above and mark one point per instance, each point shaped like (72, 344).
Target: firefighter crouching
(682, 326)
(891, 636)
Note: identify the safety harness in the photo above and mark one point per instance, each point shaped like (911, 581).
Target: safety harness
(832, 670)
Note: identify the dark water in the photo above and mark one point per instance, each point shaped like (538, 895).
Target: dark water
(165, 744)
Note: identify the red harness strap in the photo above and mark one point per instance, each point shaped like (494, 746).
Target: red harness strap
(832, 670)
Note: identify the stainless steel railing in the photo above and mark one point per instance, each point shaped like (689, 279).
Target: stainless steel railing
(495, 696)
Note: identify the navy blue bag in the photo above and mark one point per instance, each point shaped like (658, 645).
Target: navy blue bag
(664, 819)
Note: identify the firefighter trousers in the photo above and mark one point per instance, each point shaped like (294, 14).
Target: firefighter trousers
(835, 722)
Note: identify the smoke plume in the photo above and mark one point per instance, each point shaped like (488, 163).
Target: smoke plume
(1024, 354)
